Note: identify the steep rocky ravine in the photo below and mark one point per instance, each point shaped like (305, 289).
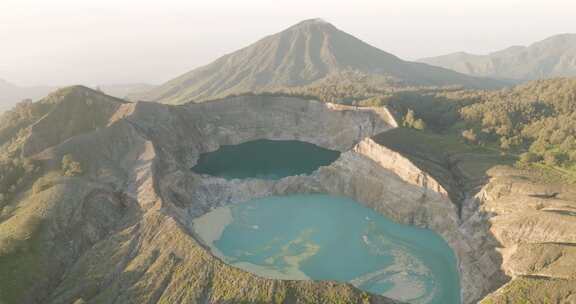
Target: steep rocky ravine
(122, 233)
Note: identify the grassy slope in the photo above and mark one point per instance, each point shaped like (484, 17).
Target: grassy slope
(22, 246)
(533, 290)
(445, 156)
(20, 266)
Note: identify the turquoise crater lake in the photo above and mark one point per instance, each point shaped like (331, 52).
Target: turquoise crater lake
(322, 237)
(265, 159)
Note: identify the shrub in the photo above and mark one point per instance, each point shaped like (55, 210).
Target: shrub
(409, 118)
(470, 136)
(504, 143)
(419, 124)
(529, 157)
(71, 167)
(539, 147)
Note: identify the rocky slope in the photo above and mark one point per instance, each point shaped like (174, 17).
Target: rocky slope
(549, 58)
(533, 224)
(305, 53)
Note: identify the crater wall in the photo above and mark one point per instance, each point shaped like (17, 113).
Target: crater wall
(144, 156)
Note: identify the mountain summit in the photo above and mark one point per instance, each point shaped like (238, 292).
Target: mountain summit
(551, 57)
(302, 54)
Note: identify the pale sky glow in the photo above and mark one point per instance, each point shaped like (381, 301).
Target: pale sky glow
(62, 42)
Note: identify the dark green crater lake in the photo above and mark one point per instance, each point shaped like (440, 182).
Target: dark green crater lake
(265, 159)
(322, 237)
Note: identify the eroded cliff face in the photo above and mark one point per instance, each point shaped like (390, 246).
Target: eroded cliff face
(399, 164)
(184, 132)
(476, 250)
(535, 227)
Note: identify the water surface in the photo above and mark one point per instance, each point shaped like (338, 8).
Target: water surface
(322, 237)
(266, 159)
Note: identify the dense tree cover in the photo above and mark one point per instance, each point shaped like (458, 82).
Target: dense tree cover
(538, 118)
(352, 88)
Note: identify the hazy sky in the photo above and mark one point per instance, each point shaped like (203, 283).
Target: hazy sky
(61, 42)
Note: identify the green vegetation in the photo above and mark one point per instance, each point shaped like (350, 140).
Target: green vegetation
(14, 174)
(71, 167)
(20, 264)
(410, 121)
(15, 170)
(537, 120)
(446, 156)
(532, 290)
(15, 124)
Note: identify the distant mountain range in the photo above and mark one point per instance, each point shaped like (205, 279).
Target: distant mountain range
(10, 93)
(305, 53)
(551, 57)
